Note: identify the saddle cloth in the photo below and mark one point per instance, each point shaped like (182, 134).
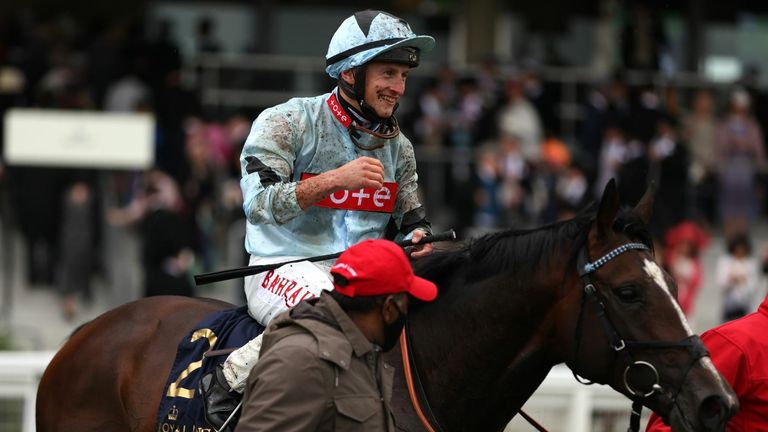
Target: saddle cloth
(181, 408)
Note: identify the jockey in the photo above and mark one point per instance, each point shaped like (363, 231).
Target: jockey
(323, 173)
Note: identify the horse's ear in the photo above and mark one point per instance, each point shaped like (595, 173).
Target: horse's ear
(644, 207)
(609, 208)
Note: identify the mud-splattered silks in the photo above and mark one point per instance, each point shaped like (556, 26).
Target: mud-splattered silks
(302, 136)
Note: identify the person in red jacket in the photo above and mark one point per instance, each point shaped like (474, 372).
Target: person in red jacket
(739, 350)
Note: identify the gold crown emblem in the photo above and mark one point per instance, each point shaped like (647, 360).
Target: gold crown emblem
(173, 414)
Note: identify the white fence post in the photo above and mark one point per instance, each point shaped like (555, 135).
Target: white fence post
(580, 411)
(20, 373)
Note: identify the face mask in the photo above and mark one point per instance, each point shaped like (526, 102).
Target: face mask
(392, 331)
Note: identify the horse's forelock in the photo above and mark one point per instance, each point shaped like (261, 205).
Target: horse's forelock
(631, 225)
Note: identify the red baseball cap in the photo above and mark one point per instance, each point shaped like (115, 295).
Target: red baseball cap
(379, 267)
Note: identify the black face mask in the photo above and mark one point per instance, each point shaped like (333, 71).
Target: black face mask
(392, 331)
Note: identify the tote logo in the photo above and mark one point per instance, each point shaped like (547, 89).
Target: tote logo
(372, 200)
(338, 111)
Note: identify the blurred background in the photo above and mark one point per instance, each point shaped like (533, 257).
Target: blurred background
(518, 118)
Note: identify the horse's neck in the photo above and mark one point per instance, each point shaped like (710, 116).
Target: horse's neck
(481, 366)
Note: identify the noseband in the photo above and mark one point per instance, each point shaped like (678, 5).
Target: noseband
(634, 368)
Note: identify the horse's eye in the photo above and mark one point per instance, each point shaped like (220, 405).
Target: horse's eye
(627, 294)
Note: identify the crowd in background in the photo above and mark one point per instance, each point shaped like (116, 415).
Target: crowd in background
(703, 148)
(178, 208)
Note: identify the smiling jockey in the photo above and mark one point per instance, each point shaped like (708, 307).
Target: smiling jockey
(320, 174)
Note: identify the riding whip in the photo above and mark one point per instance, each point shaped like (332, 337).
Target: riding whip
(239, 272)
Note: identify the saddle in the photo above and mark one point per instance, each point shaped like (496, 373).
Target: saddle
(181, 407)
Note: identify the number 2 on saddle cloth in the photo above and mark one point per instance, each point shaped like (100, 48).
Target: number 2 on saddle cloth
(181, 407)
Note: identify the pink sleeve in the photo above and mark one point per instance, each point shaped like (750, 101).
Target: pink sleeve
(656, 425)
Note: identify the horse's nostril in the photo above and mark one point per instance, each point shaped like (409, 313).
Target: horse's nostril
(713, 412)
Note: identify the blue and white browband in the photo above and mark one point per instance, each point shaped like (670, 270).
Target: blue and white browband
(591, 267)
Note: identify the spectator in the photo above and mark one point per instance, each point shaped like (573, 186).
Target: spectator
(757, 94)
(633, 173)
(515, 174)
(738, 274)
(77, 246)
(571, 192)
(332, 347)
(489, 80)
(606, 106)
(431, 125)
(166, 251)
(646, 110)
(741, 155)
(469, 108)
(669, 170)
(128, 94)
(556, 159)
(518, 117)
(487, 189)
(700, 136)
(544, 98)
(207, 152)
(739, 350)
(614, 151)
(684, 244)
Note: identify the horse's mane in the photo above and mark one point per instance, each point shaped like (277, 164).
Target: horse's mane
(521, 251)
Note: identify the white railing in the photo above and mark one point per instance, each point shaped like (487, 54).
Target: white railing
(20, 372)
(560, 404)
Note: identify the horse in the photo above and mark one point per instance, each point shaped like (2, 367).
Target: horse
(585, 292)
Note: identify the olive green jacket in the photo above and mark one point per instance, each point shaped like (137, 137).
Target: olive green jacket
(317, 372)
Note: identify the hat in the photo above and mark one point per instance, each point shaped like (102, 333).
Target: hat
(369, 35)
(379, 267)
(686, 231)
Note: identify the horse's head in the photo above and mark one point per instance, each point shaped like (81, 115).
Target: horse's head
(630, 330)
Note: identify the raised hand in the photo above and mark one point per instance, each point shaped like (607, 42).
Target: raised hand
(363, 172)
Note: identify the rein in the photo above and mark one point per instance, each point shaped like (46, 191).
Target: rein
(623, 348)
(414, 384)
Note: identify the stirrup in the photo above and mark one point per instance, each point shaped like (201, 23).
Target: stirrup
(221, 405)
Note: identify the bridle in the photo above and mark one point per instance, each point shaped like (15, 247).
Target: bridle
(624, 349)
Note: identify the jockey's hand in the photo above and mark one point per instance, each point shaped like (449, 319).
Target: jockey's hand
(420, 251)
(363, 172)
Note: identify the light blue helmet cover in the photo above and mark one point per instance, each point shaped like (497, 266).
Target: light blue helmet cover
(365, 35)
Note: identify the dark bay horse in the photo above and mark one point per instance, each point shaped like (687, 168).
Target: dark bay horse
(585, 292)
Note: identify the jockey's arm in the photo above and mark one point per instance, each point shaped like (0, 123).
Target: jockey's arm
(363, 172)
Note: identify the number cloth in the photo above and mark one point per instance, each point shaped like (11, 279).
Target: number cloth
(181, 407)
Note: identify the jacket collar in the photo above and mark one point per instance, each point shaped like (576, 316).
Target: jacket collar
(763, 309)
(360, 344)
(316, 315)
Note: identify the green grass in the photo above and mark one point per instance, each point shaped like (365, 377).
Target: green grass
(5, 342)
